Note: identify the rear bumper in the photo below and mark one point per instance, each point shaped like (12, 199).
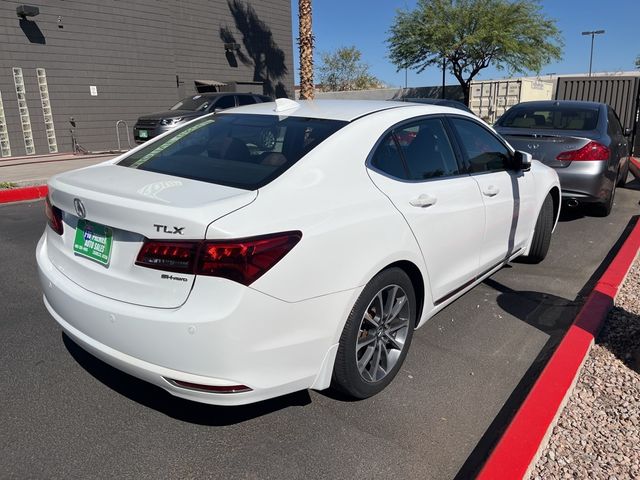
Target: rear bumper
(586, 181)
(225, 334)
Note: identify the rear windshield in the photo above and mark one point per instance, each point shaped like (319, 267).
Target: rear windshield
(236, 150)
(554, 118)
(197, 103)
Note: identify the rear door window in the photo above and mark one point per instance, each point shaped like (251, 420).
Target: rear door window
(418, 150)
(246, 100)
(388, 159)
(237, 150)
(614, 123)
(427, 151)
(226, 102)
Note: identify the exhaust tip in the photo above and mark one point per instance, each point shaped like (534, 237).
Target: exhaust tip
(208, 388)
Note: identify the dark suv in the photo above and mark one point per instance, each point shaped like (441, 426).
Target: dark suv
(149, 126)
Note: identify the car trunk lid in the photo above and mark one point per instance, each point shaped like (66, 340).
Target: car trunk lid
(133, 204)
(545, 146)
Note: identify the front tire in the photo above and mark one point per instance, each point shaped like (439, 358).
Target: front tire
(377, 335)
(542, 233)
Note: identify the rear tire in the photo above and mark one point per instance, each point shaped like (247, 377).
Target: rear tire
(603, 209)
(542, 233)
(377, 335)
(623, 177)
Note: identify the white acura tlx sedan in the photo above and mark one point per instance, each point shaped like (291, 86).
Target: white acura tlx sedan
(228, 269)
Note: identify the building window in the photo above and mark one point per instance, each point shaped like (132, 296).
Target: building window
(46, 110)
(5, 146)
(25, 120)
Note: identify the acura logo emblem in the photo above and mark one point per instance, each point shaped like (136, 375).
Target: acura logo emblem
(80, 210)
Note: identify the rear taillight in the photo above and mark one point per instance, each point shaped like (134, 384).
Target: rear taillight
(170, 256)
(54, 215)
(591, 151)
(243, 260)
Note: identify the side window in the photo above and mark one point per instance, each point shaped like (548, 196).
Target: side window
(427, 150)
(226, 102)
(614, 123)
(483, 151)
(246, 100)
(387, 158)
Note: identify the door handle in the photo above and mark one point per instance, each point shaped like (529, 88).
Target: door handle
(491, 191)
(423, 200)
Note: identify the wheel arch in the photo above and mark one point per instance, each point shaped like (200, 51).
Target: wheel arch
(555, 196)
(417, 280)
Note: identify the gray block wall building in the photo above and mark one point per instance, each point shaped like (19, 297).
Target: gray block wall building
(100, 61)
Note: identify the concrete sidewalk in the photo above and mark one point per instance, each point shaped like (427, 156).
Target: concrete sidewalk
(36, 169)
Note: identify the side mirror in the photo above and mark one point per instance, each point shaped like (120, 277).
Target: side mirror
(627, 132)
(522, 161)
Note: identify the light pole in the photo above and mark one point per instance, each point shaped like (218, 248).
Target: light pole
(444, 66)
(593, 33)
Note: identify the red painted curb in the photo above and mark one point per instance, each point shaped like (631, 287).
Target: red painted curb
(520, 442)
(25, 193)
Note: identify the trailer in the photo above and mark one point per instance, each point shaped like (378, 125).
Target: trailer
(489, 99)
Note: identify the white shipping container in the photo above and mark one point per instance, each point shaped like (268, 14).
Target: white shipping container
(491, 98)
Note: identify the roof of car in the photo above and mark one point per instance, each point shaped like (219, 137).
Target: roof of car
(219, 94)
(560, 103)
(346, 110)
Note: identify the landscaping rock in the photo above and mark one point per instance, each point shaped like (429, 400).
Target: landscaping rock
(597, 434)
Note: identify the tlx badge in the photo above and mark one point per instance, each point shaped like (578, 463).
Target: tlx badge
(167, 229)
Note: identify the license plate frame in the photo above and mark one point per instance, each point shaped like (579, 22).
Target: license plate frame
(93, 241)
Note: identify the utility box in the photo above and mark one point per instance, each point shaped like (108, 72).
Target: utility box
(491, 98)
(622, 93)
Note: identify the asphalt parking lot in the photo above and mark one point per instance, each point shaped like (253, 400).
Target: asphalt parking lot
(65, 414)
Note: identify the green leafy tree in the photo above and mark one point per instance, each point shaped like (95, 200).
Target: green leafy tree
(638, 61)
(473, 34)
(344, 70)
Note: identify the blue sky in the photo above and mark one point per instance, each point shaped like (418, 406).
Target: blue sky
(365, 24)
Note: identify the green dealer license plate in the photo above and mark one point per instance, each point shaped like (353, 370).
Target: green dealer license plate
(93, 241)
(143, 134)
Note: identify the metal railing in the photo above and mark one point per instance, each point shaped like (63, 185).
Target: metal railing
(126, 128)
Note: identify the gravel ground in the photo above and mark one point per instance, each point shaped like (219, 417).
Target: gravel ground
(598, 433)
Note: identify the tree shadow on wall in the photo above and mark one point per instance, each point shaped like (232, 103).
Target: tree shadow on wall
(32, 31)
(262, 52)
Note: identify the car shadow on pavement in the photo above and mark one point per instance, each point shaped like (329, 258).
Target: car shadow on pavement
(158, 399)
(550, 314)
(569, 214)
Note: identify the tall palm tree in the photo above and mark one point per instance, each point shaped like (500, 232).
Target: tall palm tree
(306, 50)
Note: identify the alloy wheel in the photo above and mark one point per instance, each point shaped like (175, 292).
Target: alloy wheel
(382, 333)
